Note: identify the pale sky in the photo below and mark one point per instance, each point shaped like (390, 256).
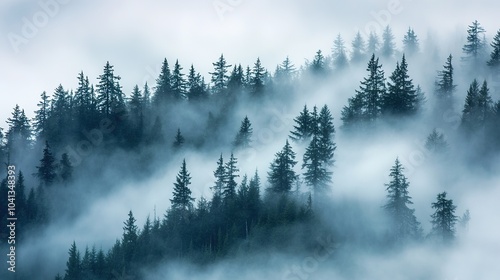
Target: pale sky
(47, 42)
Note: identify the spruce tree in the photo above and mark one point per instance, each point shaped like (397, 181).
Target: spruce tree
(244, 137)
(110, 98)
(65, 168)
(135, 105)
(373, 43)
(410, 43)
(163, 88)
(494, 61)
(178, 82)
(326, 132)
(475, 46)
(436, 142)
(40, 124)
(236, 80)
(46, 171)
(179, 140)
(220, 75)
(444, 219)
(230, 174)
(400, 98)
(318, 65)
(358, 49)
(258, 75)
(219, 174)
(388, 45)
(444, 85)
(353, 114)
(316, 175)
(303, 128)
(285, 72)
(404, 223)
(73, 265)
(281, 175)
(339, 54)
(478, 106)
(129, 240)
(19, 134)
(196, 88)
(182, 194)
(372, 88)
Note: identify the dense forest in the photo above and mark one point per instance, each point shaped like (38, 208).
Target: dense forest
(87, 142)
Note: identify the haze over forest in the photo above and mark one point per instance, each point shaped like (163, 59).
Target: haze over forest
(371, 155)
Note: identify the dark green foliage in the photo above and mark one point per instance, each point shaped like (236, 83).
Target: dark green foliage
(400, 98)
(19, 133)
(110, 97)
(41, 116)
(73, 265)
(178, 83)
(303, 129)
(231, 173)
(244, 137)
(182, 194)
(163, 89)
(404, 223)
(46, 171)
(444, 219)
(129, 240)
(281, 175)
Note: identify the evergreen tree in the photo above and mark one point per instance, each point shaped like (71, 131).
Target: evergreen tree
(219, 76)
(353, 114)
(196, 88)
(231, 173)
(444, 85)
(41, 116)
(110, 98)
(388, 45)
(410, 43)
(405, 225)
(303, 128)
(135, 104)
(475, 47)
(46, 172)
(163, 88)
(318, 65)
(285, 72)
(179, 140)
(494, 61)
(19, 133)
(478, 106)
(65, 168)
(219, 174)
(258, 75)
(444, 219)
(73, 265)
(400, 98)
(182, 194)
(85, 109)
(436, 142)
(178, 85)
(339, 53)
(358, 49)
(326, 132)
(244, 137)
(316, 175)
(281, 175)
(146, 98)
(372, 89)
(373, 43)
(129, 240)
(236, 80)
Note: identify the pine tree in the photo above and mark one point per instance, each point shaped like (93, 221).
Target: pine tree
(46, 172)
(219, 76)
(444, 85)
(65, 168)
(163, 89)
(410, 43)
(110, 98)
(230, 174)
(358, 49)
(494, 61)
(178, 85)
(400, 98)
(373, 43)
(179, 140)
(372, 89)
(281, 175)
(73, 265)
(129, 240)
(339, 53)
(316, 174)
(303, 128)
(405, 225)
(244, 137)
(436, 142)
(41, 116)
(475, 47)
(444, 219)
(182, 194)
(388, 45)
(258, 75)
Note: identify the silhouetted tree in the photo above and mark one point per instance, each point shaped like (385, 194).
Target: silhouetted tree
(73, 265)
(220, 76)
(410, 43)
(281, 175)
(400, 98)
(179, 139)
(475, 47)
(182, 194)
(244, 137)
(444, 219)
(46, 171)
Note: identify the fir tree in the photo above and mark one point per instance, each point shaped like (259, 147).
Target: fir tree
(219, 76)
(494, 61)
(219, 174)
(244, 137)
(73, 265)
(410, 43)
(400, 98)
(41, 116)
(46, 171)
(372, 89)
(258, 75)
(285, 72)
(318, 64)
(303, 128)
(353, 114)
(231, 173)
(182, 194)
(436, 142)
(65, 168)
(388, 45)
(179, 140)
(478, 106)
(136, 104)
(110, 98)
(178, 83)
(326, 132)
(236, 79)
(405, 225)
(444, 85)
(373, 43)
(339, 53)
(475, 46)
(316, 175)
(281, 175)
(163, 88)
(358, 49)
(19, 133)
(444, 219)
(129, 240)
